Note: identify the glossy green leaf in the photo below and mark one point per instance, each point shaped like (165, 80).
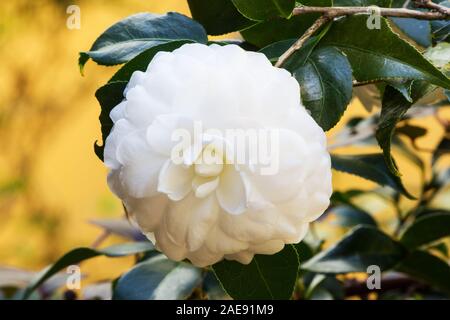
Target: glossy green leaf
(427, 229)
(371, 167)
(417, 30)
(325, 79)
(380, 53)
(304, 251)
(275, 50)
(266, 277)
(212, 288)
(426, 267)
(109, 96)
(141, 61)
(394, 107)
(260, 10)
(158, 278)
(350, 216)
(441, 28)
(127, 38)
(278, 29)
(80, 254)
(360, 248)
(404, 86)
(218, 16)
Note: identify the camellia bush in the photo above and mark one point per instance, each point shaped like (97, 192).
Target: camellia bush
(204, 225)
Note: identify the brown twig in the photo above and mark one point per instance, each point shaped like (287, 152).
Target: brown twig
(329, 13)
(428, 4)
(299, 43)
(102, 237)
(385, 12)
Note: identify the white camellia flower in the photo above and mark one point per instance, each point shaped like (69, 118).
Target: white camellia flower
(206, 211)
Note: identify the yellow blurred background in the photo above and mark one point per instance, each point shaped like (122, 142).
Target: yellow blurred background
(51, 182)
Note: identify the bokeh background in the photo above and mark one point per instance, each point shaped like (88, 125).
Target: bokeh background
(51, 182)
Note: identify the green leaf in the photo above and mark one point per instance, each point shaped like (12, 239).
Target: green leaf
(371, 167)
(266, 277)
(109, 96)
(360, 248)
(80, 254)
(218, 16)
(141, 61)
(393, 108)
(441, 28)
(351, 216)
(325, 79)
(407, 152)
(127, 38)
(441, 248)
(443, 147)
(158, 278)
(413, 132)
(401, 85)
(260, 10)
(212, 288)
(121, 227)
(275, 50)
(304, 251)
(323, 287)
(417, 30)
(427, 229)
(278, 29)
(439, 56)
(428, 268)
(380, 53)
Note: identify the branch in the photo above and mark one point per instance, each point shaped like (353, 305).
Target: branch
(329, 13)
(428, 4)
(299, 43)
(385, 12)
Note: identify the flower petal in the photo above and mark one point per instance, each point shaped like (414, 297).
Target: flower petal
(140, 165)
(231, 192)
(175, 180)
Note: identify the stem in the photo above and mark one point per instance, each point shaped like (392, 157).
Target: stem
(102, 237)
(299, 43)
(442, 14)
(433, 6)
(329, 13)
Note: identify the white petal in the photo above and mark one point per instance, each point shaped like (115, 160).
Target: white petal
(231, 192)
(175, 180)
(140, 165)
(206, 187)
(118, 112)
(119, 131)
(141, 108)
(147, 212)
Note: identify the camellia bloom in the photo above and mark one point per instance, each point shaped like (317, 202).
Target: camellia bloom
(226, 208)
